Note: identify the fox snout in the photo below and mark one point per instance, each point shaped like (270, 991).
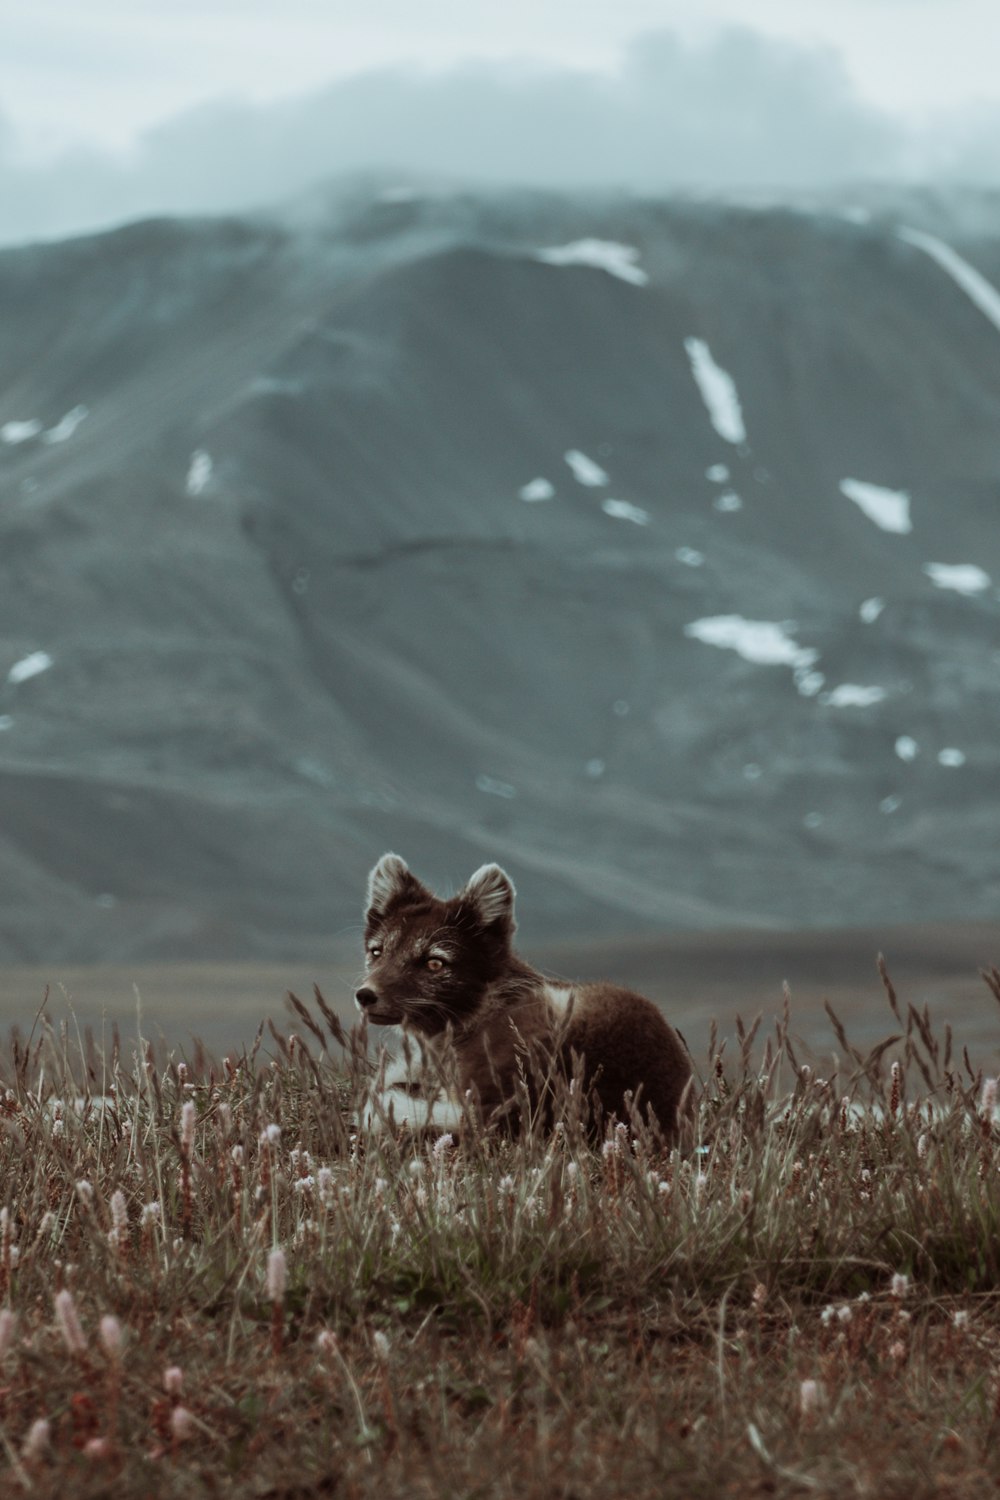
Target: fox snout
(383, 1011)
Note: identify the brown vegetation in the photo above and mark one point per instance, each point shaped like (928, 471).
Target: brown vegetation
(210, 1286)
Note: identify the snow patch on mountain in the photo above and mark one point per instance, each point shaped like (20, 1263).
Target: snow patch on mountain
(763, 642)
(20, 432)
(621, 510)
(728, 502)
(889, 509)
(605, 255)
(718, 391)
(963, 578)
(29, 666)
(972, 282)
(537, 489)
(853, 695)
(199, 473)
(585, 470)
(66, 426)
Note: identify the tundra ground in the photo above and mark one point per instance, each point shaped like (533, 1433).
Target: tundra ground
(211, 1286)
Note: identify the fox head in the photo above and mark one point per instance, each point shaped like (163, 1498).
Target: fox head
(430, 961)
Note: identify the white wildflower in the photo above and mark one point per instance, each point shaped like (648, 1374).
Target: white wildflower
(810, 1397)
(189, 1116)
(119, 1214)
(181, 1424)
(277, 1275)
(37, 1443)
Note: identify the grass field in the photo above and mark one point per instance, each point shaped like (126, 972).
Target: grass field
(211, 1286)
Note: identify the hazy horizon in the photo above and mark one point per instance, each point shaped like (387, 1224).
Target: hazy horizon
(140, 124)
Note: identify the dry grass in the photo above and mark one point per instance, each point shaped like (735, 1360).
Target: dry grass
(805, 1302)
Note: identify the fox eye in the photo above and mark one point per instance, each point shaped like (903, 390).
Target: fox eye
(435, 965)
(375, 951)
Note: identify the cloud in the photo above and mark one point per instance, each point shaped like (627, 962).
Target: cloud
(738, 112)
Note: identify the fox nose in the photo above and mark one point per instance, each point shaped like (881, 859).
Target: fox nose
(366, 997)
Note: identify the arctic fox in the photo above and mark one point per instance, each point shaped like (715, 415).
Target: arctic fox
(446, 972)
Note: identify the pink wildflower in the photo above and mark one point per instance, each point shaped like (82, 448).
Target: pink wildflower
(181, 1424)
(110, 1334)
(69, 1322)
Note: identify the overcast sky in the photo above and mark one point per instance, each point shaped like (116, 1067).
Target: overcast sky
(122, 107)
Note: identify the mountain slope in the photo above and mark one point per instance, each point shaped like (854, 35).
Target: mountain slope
(272, 599)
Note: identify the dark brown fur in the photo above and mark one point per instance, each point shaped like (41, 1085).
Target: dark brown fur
(446, 971)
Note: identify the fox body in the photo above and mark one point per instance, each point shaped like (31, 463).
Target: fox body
(446, 972)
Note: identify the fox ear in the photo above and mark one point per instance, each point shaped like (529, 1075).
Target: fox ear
(388, 881)
(490, 893)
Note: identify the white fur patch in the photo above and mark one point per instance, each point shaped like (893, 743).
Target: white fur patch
(560, 998)
(394, 1108)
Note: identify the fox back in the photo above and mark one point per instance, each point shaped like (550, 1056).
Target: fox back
(447, 973)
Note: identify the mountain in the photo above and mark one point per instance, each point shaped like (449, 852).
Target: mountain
(650, 548)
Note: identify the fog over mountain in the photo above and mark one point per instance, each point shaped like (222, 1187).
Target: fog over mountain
(738, 110)
(647, 546)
